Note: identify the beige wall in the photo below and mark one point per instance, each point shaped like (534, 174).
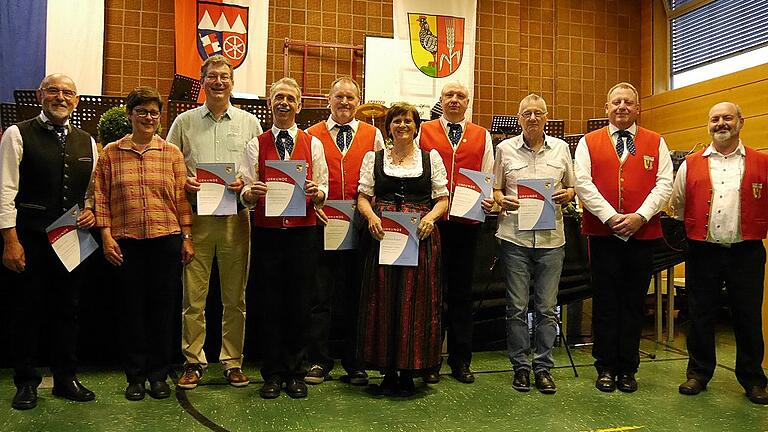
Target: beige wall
(681, 115)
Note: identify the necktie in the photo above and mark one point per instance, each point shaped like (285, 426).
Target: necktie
(344, 137)
(60, 134)
(284, 144)
(620, 143)
(454, 133)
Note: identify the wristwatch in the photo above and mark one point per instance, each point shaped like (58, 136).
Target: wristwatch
(186, 236)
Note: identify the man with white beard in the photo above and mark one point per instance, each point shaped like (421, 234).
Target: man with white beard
(720, 193)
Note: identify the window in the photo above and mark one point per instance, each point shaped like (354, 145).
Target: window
(714, 38)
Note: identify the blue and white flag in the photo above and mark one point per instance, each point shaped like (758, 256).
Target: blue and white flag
(41, 37)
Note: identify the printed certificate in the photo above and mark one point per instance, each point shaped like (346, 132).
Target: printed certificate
(471, 188)
(400, 245)
(340, 233)
(285, 188)
(214, 198)
(72, 245)
(537, 210)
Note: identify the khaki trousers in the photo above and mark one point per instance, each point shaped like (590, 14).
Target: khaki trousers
(228, 239)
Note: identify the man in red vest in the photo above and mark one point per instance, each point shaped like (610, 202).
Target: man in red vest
(345, 141)
(623, 178)
(462, 144)
(720, 193)
(285, 248)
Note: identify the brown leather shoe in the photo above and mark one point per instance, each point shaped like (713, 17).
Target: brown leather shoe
(758, 395)
(191, 376)
(236, 377)
(605, 382)
(692, 387)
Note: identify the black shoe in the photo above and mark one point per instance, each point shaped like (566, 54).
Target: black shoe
(270, 389)
(692, 387)
(522, 380)
(756, 394)
(605, 382)
(135, 391)
(73, 391)
(545, 383)
(159, 390)
(626, 382)
(388, 386)
(26, 397)
(431, 377)
(355, 377)
(463, 374)
(296, 388)
(405, 385)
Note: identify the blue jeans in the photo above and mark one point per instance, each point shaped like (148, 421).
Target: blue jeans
(544, 266)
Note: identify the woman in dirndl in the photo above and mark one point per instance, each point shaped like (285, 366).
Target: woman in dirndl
(400, 306)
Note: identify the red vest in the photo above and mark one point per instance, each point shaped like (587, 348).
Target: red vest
(754, 204)
(624, 185)
(344, 170)
(302, 150)
(468, 154)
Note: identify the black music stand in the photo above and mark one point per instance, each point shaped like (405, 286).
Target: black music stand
(573, 141)
(90, 109)
(184, 88)
(8, 115)
(505, 125)
(595, 124)
(257, 107)
(176, 107)
(309, 116)
(27, 106)
(555, 128)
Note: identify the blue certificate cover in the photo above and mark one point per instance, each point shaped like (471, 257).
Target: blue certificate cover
(400, 245)
(537, 210)
(214, 198)
(72, 245)
(471, 188)
(285, 188)
(340, 232)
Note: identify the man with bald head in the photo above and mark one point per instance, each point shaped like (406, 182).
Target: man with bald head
(720, 193)
(461, 144)
(623, 178)
(45, 169)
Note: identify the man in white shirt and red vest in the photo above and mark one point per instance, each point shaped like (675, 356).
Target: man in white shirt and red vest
(461, 144)
(623, 178)
(720, 193)
(345, 140)
(285, 252)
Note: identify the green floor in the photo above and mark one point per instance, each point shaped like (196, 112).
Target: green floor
(488, 405)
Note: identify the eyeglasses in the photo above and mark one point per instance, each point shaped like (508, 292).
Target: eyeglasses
(54, 91)
(144, 113)
(537, 114)
(223, 78)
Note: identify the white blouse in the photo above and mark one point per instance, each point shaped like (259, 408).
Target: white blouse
(410, 170)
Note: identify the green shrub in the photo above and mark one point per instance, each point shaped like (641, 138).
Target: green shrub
(113, 125)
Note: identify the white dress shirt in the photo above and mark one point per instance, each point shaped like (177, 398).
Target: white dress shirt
(249, 166)
(515, 160)
(378, 141)
(11, 153)
(725, 173)
(597, 204)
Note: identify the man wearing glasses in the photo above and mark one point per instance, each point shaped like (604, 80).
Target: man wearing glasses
(461, 144)
(215, 132)
(46, 166)
(532, 254)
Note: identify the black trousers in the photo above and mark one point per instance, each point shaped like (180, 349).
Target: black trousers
(459, 242)
(150, 282)
(621, 273)
(285, 260)
(742, 269)
(338, 284)
(44, 299)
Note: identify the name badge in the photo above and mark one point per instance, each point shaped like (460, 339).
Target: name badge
(648, 162)
(757, 190)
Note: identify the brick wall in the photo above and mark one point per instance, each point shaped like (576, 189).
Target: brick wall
(569, 51)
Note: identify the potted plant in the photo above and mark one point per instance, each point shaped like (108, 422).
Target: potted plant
(113, 125)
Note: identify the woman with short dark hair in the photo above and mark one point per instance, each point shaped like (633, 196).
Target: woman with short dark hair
(145, 222)
(400, 307)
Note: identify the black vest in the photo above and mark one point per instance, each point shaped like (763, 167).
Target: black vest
(51, 179)
(414, 190)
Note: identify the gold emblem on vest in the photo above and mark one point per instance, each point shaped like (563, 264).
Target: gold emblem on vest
(757, 190)
(648, 162)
